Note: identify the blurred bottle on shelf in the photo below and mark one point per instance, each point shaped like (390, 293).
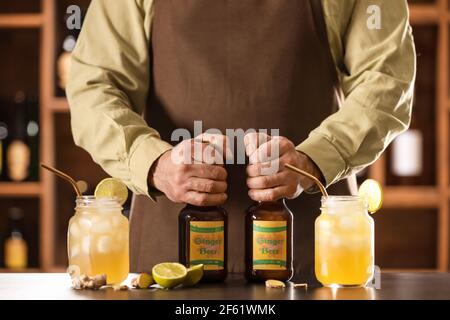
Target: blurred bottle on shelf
(15, 246)
(68, 45)
(22, 148)
(407, 157)
(18, 152)
(32, 126)
(3, 137)
(64, 60)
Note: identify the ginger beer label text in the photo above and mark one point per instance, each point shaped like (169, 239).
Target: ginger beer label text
(269, 245)
(207, 244)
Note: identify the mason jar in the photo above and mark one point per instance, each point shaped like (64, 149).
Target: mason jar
(98, 237)
(344, 242)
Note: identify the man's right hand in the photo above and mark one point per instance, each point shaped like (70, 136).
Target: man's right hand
(193, 182)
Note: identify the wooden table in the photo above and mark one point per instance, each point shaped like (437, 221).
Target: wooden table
(393, 286)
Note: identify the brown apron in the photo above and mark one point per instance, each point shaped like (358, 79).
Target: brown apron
(258, 64)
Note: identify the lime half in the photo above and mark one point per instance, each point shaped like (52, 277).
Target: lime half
(112, 188)
(169, 274)
(194, 275)
(371, 191)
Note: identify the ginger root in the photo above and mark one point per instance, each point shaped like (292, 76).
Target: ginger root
(85, 282)
(275, 284)
(121, 287)
(142, 281)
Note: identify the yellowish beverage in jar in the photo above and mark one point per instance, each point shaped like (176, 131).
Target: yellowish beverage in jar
(98, 238)
(344, 242)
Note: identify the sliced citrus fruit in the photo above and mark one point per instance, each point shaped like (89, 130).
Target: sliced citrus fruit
(371, 191)
(194, 275)
(169, 274)
(112, 188)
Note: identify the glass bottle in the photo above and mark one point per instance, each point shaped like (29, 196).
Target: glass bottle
(18, 152)
(344, 242)
(98, 237)
(15, 246)
(32, 134)
(269, 241)
(203, 240)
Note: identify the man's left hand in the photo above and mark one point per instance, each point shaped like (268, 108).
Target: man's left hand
(270, 185)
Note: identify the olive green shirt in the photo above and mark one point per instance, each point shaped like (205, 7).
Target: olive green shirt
(109, 82)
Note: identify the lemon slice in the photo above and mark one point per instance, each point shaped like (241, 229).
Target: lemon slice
(169, 274)
(112, 188)
(371, 191)
(194, 275)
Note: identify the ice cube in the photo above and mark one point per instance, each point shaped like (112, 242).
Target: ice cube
(74, 231)
(84, 223)
(116, 220)
(104, 244)
(101, 226)
(324, 225)
(348, 224)
(354, 242)
(85, 245)
(323, 237)
(336, 241)
(74, 251)
(119, 241)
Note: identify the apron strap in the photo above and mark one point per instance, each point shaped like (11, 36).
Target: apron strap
(320, 25)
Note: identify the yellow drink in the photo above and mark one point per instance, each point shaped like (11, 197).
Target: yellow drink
(98, 239)
(344, 242)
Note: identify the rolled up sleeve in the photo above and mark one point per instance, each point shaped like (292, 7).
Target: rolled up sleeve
(108, 88)
(378, 88)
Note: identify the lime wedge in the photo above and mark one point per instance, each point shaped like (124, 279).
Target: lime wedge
(112, 188)
(169, 274)
(194, 275)
(371, 191)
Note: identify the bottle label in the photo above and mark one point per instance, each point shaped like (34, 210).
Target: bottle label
(269, 245)
(207, 244)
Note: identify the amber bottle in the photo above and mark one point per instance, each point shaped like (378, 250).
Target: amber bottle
(268, 238)
(203, 240)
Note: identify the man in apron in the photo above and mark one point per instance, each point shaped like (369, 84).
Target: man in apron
(254, 64)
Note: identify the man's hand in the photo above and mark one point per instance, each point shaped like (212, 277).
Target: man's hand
(270, 185)
(184, 177)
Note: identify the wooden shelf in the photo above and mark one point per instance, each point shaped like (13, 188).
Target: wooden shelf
(57, 269)
(20, 189)
(21, 20)
(28, 270)
(59, 104)
(411, 197)
(394, 270)
(423, 14)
